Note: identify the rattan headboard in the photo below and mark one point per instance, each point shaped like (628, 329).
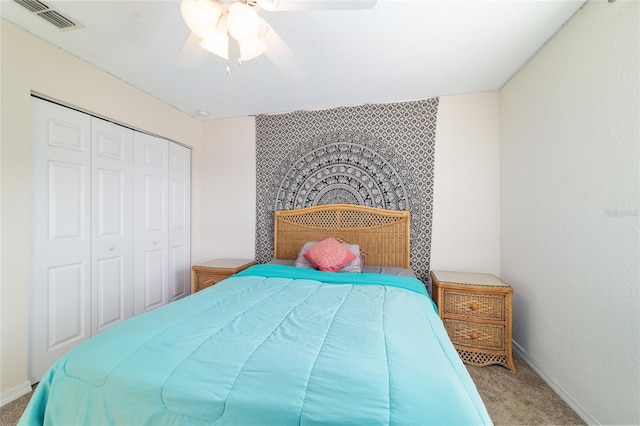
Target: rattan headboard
(383, 235)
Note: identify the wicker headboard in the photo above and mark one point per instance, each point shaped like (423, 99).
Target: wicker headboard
(383, 235)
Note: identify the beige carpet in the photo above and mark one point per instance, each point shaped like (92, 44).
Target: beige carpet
(520, 398)
(10, 413)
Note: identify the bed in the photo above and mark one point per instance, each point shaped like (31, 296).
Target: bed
(278, 344)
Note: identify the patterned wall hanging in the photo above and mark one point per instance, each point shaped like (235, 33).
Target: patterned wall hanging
(379, 155)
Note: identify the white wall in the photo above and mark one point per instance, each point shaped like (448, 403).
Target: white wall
(229, 189)
(31, 64)
(466, 205)
(570, 164)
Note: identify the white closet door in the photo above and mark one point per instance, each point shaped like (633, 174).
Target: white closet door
(111, 224)
(151, 222)
(179, 221)
(60, 233)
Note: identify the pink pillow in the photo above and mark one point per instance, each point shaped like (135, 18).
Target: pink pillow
(355, 266)
(329, 255)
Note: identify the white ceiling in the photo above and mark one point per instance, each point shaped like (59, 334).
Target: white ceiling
(395, 51)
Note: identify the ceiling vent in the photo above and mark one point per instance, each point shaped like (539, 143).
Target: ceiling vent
(50, 15)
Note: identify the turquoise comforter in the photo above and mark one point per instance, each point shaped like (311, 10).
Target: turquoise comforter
(272, 345)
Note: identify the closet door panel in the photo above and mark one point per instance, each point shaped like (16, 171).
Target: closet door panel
(179, 281)
(60, 233)
(110, 291)
(151, 222)
(66, 322)
(179, 221)
(110, 228)
(155, 264)
(66, 204)
(112, 224)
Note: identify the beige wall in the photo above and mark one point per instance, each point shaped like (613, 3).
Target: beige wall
(466, 217)
(466, 204)
(30, 64)
(570, 164)
(229, 189)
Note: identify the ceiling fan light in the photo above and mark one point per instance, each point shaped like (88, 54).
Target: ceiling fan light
(251, 48)
(243, 22)
(217, 44)
(201, 16)
(269, 5)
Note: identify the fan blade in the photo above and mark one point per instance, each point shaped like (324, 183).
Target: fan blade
(283, 58)
(191, 56)
(277, 5)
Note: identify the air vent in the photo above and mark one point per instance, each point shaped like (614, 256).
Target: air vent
(56, 19)
(33, 5)
(50, 15)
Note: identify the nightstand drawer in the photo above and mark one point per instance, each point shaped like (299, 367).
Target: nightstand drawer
(485, 306)
(476, 312)
(477, 335)
(212, 272)
(205, 280)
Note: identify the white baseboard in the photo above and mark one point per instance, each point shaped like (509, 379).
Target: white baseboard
(566, 397)
(15, 393)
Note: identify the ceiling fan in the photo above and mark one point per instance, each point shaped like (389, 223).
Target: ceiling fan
(234, 27)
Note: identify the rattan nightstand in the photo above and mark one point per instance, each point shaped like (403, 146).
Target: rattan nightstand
(212, 272)
(476, 311)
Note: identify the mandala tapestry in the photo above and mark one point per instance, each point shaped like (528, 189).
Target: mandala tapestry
(378, 155)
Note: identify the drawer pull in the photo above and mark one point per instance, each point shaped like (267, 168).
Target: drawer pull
(474, 335)
(474, 306)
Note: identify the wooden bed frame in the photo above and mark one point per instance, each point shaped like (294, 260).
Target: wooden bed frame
(383, 235)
